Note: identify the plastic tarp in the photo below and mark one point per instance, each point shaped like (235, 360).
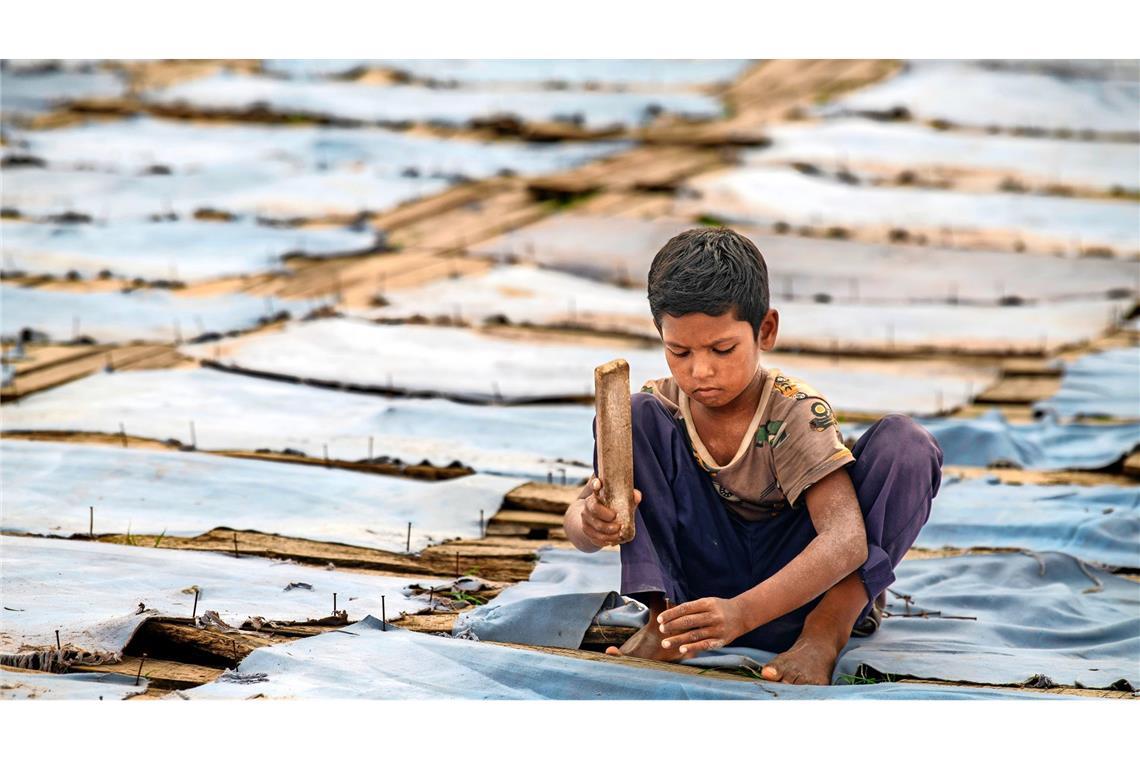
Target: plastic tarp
(887, 149)
(451, 362)
(1097, 524)
(110, 316)
(766, 195)
(643, 73)
(965, 93)
(990, 619)
(467, 365)
(554, 607)
(356, 101)
(990, 440)
(371, 663)
(1102, 384)
(237, 412)
(15, 684)
(29, 93)
(139, 144)
(526, 294)
(620, 249)
(96, 595)
(264, 189)
(48, 488)
(178, 250)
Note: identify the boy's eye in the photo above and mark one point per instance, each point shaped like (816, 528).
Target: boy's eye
(725, 351)
(680, 354)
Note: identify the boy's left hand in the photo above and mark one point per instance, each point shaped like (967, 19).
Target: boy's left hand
(701, 624)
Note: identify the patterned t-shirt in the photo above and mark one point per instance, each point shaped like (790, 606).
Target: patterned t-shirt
(792, 442)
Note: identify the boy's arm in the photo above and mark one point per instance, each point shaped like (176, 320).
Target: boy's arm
(572, 520)
(838, 549)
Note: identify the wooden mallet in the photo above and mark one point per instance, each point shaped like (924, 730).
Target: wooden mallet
(615, 442)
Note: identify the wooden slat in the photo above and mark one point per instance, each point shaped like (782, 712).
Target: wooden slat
(84, 364)
(162, 674)
(1019, 390)
(541, 497)
(527, 519)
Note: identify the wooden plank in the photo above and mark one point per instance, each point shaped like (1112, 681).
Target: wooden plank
(615, 442)
(542, 497)
(527, 519)
(1132, 465)
(162, 674)
(1041, 477)
(1019, 390)
(82, 365)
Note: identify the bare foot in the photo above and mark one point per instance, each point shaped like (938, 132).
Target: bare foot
(646, 644)
(809, 661)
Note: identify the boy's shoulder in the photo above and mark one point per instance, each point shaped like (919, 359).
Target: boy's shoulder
(666, 391)
(793, 398)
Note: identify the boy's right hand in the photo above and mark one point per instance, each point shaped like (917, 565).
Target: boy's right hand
(599, 522)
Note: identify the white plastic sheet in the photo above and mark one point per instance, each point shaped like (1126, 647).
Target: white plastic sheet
(264, 190)
(773, 194)
(964, 93)
(452, 362)
(22, 684)
(30, 93)
(525, 294)
(133, 145)
(179, 250)
(110, 317)
(640, 73)
(887, 149)
(465, 364)
(380, 103)
(800, 269)
(237, 412)
(96, 595)
(48, 488)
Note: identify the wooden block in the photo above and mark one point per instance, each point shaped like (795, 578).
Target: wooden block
(615, 442)
(542, 497)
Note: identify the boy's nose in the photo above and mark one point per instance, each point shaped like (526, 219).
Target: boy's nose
(702, 370)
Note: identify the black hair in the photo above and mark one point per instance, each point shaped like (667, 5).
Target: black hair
(709, 270)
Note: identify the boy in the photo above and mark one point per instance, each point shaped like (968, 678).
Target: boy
(753, 518)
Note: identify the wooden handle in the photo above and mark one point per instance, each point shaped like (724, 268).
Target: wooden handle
(615, 442)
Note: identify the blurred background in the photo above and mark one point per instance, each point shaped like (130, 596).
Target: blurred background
(469, 238)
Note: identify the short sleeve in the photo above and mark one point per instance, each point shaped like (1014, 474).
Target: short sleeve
(807, 447)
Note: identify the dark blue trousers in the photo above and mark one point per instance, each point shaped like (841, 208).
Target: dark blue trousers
(689, 545)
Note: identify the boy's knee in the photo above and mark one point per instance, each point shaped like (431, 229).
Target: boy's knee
(910, 446)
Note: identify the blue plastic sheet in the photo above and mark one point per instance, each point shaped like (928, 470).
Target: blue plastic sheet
(1104, 384)
(996, 619)
(363, 661)
(990, 440)
(1097, 524)
(565, 591)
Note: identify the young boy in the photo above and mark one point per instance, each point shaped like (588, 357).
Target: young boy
(753, 518)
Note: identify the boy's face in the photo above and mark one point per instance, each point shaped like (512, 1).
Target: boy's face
(714, 359)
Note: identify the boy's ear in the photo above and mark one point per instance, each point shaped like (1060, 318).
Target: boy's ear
(769, 327)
